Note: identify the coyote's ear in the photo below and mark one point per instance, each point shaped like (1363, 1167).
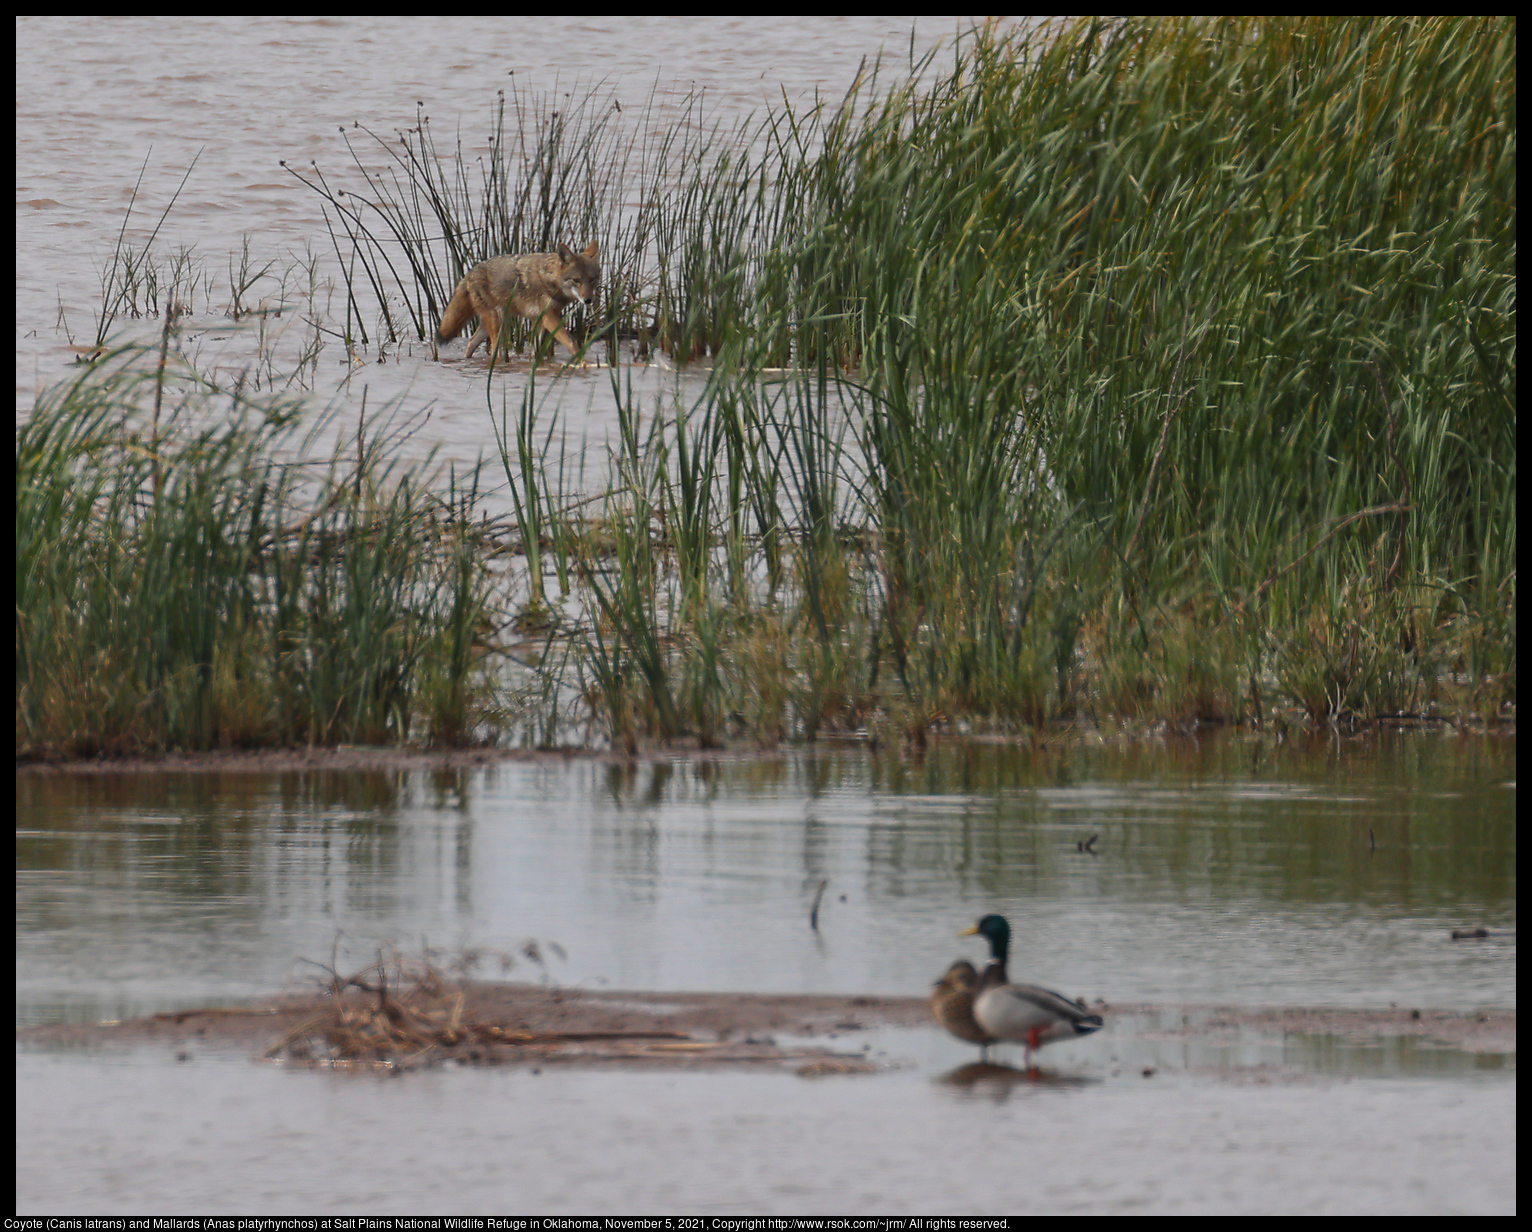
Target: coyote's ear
(566, 254)
(590, 251)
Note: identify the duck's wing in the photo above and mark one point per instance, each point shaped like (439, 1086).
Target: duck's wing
(1023, 1012)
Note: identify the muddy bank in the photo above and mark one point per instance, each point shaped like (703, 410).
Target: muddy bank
(281, 761)
(492, 1023)
(526, 1024)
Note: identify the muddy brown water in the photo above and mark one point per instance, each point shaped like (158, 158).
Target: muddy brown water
(1262, 922)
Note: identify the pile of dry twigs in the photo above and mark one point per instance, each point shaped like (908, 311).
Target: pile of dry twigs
(400, 1012)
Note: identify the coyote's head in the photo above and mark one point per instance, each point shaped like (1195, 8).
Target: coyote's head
(581, 273)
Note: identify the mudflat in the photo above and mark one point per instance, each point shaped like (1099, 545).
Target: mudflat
(501, 1023)
(482, 1022)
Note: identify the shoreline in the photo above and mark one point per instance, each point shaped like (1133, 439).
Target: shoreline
(525, 1023)
(385, 757)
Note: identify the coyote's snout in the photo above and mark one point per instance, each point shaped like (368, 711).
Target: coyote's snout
(530, 285)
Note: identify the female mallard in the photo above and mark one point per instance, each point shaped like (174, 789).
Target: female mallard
(952, 1003)
(1022, 1013)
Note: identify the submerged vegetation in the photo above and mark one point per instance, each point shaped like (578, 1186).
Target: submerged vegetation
(1130, 370)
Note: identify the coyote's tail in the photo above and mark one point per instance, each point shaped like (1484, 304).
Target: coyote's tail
(459, 309)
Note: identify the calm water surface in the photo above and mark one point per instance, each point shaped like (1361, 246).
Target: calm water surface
(131, 101)
(1235, 872)
(230, 1136)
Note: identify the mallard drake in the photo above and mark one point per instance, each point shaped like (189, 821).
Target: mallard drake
(1022, 1013)
(952, 1003)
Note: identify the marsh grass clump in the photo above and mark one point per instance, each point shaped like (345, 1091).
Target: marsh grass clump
(1181, 376)
(181, 587)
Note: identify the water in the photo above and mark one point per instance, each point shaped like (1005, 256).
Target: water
(236, 1138)
(1232, 872)
(133, 97)
(1240, 872)
(238, 95)
(1216, 879)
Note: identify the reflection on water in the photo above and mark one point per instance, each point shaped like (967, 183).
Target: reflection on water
(1226, 872)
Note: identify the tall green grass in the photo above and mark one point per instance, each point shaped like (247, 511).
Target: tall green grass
(1183, 359)
(178, 586)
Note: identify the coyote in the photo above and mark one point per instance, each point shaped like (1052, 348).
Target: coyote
(530, 284)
